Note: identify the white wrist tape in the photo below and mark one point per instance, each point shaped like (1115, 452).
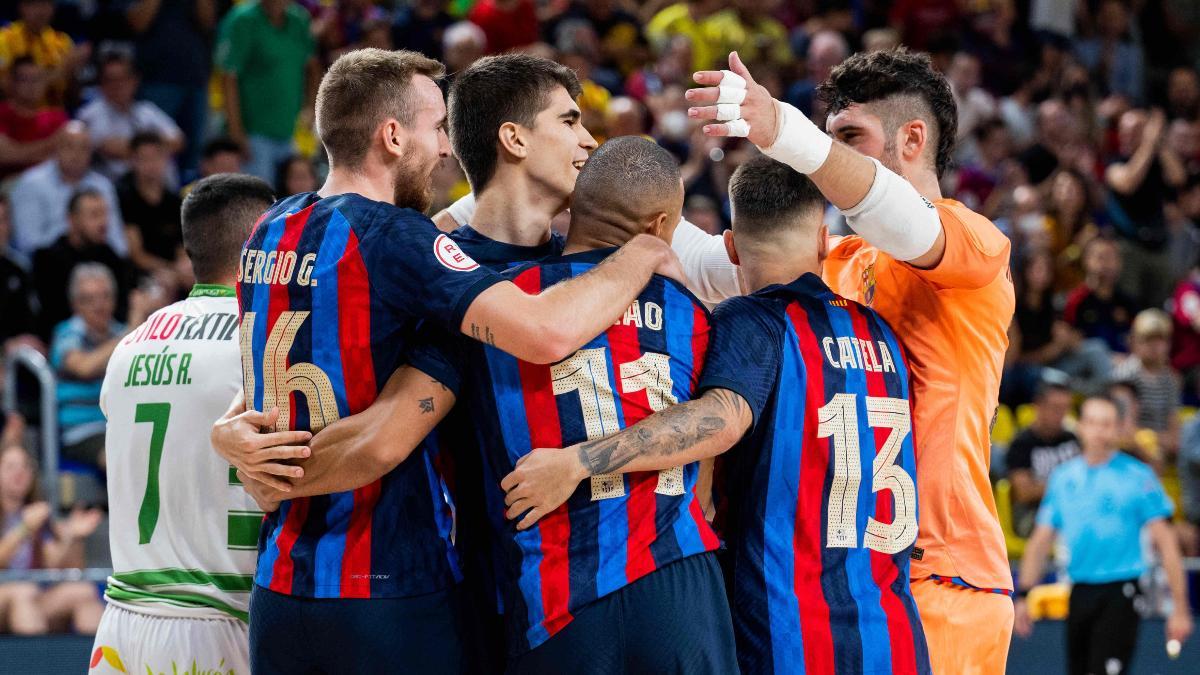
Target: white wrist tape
(894, 217)
(799, 143)
(463, 210)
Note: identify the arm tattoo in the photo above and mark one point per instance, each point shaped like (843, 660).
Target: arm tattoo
(483, 334)
(666, 433)
(426, 405)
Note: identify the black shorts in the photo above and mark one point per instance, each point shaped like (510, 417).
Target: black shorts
(1102, 627)
(295, 635)
(673, 620)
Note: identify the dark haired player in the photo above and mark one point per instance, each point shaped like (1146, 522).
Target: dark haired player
(331, 287)
(938, 273)
(820, 507)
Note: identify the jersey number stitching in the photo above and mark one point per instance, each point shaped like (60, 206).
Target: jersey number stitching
(838, 420)
(157, 414)
(586, 371)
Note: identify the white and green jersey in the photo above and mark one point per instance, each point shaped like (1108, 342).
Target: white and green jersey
(183, 532)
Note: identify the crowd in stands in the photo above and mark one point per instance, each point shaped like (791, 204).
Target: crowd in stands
(1078, 134)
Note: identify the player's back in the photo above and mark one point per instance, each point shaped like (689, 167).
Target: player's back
(183, 532)
(953, 321)
(615, 528)
(331, 290)
(820, 508)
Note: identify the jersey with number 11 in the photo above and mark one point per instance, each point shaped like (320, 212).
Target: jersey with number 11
(615, 528)
(183, 532)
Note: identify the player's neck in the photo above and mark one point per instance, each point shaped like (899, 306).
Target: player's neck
(374, 185)
(761, 271)
(926, 183)
(512, 211)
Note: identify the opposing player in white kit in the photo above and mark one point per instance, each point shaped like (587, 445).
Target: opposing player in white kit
(183, 532)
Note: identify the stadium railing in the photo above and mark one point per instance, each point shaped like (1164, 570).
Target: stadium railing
(30, 359)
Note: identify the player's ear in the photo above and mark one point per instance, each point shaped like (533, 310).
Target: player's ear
(913, 137)
(822, 242)
(658, 226)
(512, 140)
(394, 136)
(730, 247)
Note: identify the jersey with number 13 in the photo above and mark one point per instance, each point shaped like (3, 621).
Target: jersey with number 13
(183, 532)
(820, 508)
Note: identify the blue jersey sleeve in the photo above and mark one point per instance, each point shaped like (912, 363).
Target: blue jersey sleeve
(440, 354)
(1049, 512)
(744, 352)
(421, 271)
(1154, 502)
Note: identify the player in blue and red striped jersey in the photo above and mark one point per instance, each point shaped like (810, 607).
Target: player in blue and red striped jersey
(623, 576)
(819, 508)
(331, 286)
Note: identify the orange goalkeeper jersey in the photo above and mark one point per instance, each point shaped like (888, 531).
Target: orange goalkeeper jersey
(953, 323)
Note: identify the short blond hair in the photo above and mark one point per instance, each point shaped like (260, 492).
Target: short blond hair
(361, 90)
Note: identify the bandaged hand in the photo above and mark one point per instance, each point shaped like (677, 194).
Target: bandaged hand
(739, 105)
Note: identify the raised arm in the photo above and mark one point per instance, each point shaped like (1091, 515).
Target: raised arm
(880, 205)
(548, 327)
(684, 433)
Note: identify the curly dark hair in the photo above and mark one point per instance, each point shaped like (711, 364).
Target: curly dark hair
(875, 76)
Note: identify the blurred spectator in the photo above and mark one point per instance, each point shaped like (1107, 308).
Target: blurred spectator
(1057, 131)
(1071, 222)
(1185, 342)
(295, 175)
(1183, 136)
(1041, 339)
(32, 35)
(463, 44)
(18, 304)
(691, 20)
(759, 37)
(114, 117)
(266, 54)
(1097, 308)
(880, 40)
(1183, 93)
(625, 117)
(79, 354)
(1099, 504)
(27, 126)
(87, 217)
(221, 155)
(975, 106)
(922, 22)
(41, 194)
(1158, 386)
(623, 45)
(174, 56)
(420, 26)
(826, 49)
(151, 211)
(672, 67)
(989, 167)
(991, 35)
(1114, 61)
(703, 212)
(1140, 182)
(31, 540)
(1189, 479)
(1053, 16)
(508, 24)
(1039, 449)
(344, 24)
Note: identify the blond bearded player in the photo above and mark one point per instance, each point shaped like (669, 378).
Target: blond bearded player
(938, 273)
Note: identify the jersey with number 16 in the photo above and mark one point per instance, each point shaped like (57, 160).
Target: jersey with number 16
(183, 532)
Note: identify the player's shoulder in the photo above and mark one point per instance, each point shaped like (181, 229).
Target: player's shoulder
(979, 231)
(1128, 464)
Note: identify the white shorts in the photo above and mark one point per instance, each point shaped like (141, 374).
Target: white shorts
(132, 642)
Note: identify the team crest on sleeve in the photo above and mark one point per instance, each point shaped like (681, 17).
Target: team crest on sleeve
(868, 285)
(450, 255)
